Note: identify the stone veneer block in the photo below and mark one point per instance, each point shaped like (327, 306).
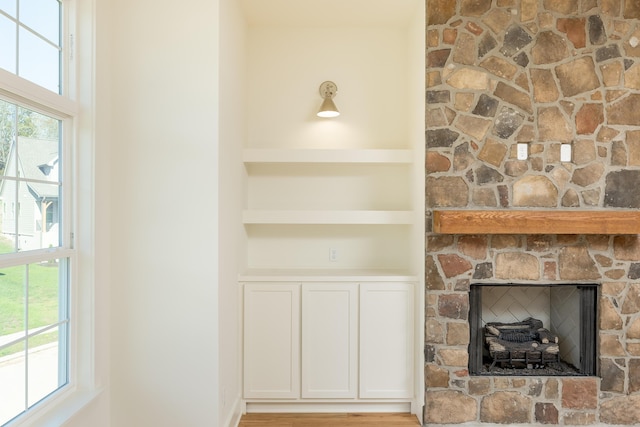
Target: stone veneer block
(626, 248)
(453, 265)
(633, 145)
(473, 126)
(450, 407)
(579, 393)
(473, 246)
(621, 189)
(499, 67)
(447, 191)
(440, 11)
(507, 122)
(546, 413)
(441, 137)
(588, 175)
(576, 263)
(436, 162)
(517, 266)
(631, 9)
(577, 76)
(575, 29)
(633, 332)
(436, 376)
(610, 346)
(553, 125)
(631, 304)
(535, 191)
(457, 333)
(634, 375)
(621, 410)
(493, 152)
(454, 306)
(549, 48)
(528, 10)
(506, 407)
(565, 7)
(544, 85)
(468, 78)
(612, 376)
(588, 118)
(597, 34)
(515, 39)
(465, 52)
(625, 111)
(513, 96)
(474, 7)
(610, 319)
(486, 106)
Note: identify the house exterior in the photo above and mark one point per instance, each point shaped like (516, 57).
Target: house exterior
(30, 215)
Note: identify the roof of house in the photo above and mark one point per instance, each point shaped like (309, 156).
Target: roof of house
(37, 159)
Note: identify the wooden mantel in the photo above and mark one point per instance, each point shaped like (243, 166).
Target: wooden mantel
(536, 222)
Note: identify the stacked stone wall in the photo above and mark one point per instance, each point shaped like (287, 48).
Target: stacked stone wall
(541, 72)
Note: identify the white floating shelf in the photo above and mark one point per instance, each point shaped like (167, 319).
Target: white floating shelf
(326, 156)
(326, 217)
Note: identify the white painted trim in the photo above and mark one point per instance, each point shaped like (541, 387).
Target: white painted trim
(58, 410)
(318, 407)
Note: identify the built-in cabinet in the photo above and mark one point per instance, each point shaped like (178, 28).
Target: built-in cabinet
(329, 341)
(333, 214)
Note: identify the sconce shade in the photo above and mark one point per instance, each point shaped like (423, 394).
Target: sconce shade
(328, 108)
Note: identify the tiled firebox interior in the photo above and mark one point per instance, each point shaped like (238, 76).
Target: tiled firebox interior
(544, 73)
(566, 314)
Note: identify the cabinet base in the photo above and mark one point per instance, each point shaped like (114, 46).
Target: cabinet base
(327, 407)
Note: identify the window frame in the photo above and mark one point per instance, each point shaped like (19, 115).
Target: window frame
(75, 108)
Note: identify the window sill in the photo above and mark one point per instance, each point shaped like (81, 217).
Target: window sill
(58, 409)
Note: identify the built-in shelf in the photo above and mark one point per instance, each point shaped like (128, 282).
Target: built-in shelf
(325, 275)
(535, 222)
(326, 156)
(326, 217)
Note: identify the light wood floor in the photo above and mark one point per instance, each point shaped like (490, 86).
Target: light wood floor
(328, 420)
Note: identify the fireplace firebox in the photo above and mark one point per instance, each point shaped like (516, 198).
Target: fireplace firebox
(533, 329)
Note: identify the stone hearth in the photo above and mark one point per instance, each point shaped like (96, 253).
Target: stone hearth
(541, 72)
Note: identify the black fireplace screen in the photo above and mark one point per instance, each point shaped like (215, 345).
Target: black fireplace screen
(527, 346)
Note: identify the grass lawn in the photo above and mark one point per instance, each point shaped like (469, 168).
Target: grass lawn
(42, 297)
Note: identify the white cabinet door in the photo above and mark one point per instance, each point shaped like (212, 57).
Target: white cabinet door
(329, 340)
(386, 340)
(272, 341)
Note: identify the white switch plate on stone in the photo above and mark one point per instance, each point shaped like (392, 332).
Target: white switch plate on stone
(565, 152)
(522, 151)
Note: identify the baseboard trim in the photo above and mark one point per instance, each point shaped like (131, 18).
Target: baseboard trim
(330, 407)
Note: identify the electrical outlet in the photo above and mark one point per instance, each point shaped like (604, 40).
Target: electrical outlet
(565, 152)
(333, 255)
(522, 151)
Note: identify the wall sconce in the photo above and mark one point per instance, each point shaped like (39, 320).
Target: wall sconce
(327, 92)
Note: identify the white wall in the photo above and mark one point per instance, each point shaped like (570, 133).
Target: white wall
(164, 211)
(231, 173)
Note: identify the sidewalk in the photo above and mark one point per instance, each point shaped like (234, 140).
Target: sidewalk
(42, 377)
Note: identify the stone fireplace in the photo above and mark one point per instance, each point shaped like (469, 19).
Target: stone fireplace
(543, 73)
(562, 342)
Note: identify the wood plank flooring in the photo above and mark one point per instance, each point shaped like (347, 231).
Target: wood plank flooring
(329, 420)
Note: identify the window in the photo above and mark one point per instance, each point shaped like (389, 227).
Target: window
(36, 229)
